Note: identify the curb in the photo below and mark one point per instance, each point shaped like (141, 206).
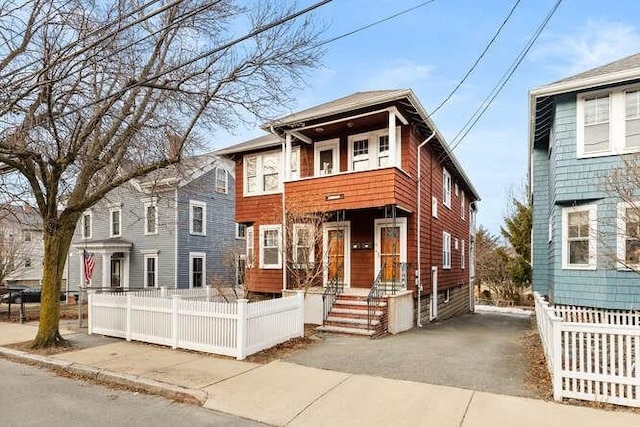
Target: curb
(101, 376)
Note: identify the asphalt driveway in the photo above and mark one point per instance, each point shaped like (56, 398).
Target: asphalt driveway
(481, 351)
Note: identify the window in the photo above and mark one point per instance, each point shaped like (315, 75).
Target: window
(303, 244)
(150, 219)
(462, 256)
(197, 269)
(446, 250)
(270, 246)
(241, 231)
(327, 154)
(262, 173)
(434, 206)
(295, 163)
(579, 237)
(455, 243)
(360, 155)
(632, 119)
(151, 271)
(446, 188)
(26, 234)
(372, 150)
(87, 225)
(197, 218)
(115, 217)
(249, 246)
(457, 190)
(628, 235)
(463, 206)
(222, 181)
(608, 122)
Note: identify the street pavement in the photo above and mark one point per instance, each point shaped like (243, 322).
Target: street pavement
(286, 394)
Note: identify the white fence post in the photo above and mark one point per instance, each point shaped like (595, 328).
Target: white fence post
(241, 337)
(300, 295)
(163, 291)
(128, 319)
(207, 291)
(556, 351)
(175, 300)
(90, 312)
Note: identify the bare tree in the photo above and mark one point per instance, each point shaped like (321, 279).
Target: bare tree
(95, 94)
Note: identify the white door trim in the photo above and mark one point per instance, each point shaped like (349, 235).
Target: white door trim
(386, 222)
(346, 227)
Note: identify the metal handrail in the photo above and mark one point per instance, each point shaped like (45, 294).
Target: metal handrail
(375, 296)
(330, 294)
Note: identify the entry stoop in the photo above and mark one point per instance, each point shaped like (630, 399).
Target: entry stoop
(349, 315)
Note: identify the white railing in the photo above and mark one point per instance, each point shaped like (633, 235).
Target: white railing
(592, 354)
(236, 329)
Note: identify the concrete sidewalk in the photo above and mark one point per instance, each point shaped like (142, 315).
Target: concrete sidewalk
(281, 393)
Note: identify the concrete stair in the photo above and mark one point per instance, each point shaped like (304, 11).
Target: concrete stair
(349, 315)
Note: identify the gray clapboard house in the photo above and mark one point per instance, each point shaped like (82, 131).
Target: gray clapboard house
(175, 228)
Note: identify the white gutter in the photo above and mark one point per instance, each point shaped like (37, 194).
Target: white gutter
(419, 224)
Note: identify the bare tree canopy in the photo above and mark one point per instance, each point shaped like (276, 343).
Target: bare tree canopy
(94, 94)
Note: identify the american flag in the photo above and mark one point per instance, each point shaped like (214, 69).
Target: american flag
(89, 264)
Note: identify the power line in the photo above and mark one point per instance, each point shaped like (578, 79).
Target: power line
(475, 64)
(475, 117)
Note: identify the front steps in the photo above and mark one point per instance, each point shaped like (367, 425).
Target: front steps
(349, 315)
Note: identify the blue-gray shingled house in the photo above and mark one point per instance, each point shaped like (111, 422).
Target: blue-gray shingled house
(173, 228)
(585, 238)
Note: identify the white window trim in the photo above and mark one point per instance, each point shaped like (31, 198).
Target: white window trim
(593, 247)
(462, 255)
(250, 246)
(259, 175)
(374, 148)
(294, 252)
(226, 181)
(324, 145)
(193, 204)
(111, 211)
(293, 176)
(456, 243)
(202, 255)
(457, 190)
(90, 214)
(238, 228)
(463, 205)
(446, 188)
(621, 235)
(146, 270)
(262, 229)
(434, 206)
(617, 122)
(446, 248)
(147, 204)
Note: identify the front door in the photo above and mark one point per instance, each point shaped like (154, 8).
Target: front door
(391, 250)
(116, 273)
(335, 244)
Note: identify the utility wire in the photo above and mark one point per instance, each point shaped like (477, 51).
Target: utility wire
(475, 64)
(473, 120)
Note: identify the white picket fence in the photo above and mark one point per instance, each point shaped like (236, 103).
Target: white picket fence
(592, 354)
(236, 329)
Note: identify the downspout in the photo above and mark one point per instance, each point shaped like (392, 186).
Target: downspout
(418, 228)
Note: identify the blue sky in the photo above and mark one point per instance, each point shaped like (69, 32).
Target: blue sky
(431, 48)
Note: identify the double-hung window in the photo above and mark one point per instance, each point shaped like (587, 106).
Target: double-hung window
(241, 230)
(360, 155)
(446, 188)
(628, 225)
(115, 222)
(197, 218)
(197, 269)
(222, 180)
(596, 124)
(151, 270)
(151, 217)
(87, 225)
(270, 256)
(463, 207)
(383, 151)
(446, 250)
(579, 237)
(372, 150)
(632, 119)
(262, 173)
(303, 245)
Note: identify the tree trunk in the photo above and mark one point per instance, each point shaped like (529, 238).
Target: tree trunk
(57, 240)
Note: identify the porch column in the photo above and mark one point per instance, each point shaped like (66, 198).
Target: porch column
(392, 138)
(287, 156)
(106, 269)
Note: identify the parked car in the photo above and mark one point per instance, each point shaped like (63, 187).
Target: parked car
(17, 295)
